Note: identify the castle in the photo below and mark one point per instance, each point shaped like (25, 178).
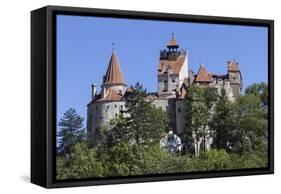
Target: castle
(174, 77)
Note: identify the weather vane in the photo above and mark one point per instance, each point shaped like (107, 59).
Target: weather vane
(113, 46)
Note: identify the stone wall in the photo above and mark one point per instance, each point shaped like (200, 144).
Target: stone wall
(100, 113)
(180, 116)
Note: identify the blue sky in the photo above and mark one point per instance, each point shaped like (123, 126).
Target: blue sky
(84, 47)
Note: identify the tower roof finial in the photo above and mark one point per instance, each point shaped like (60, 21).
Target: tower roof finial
(113, 46)
(173, 43)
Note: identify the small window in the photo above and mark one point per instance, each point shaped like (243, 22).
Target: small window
(164, 90)
(173, 81)
(96, 107)
(121, 106)
(179, 109)
(116, 114)
(165, 81)
(107, 106)
(115, 106)
(234, 77)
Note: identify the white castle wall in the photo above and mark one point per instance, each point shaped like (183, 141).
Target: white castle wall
(184, 71)
(163, 103)
(171, 82)
(117, 88)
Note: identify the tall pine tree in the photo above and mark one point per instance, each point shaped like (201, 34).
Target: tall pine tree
(70, 131)
(223, 122)
(140, 122)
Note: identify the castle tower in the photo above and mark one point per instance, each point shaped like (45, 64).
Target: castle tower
(203, 77)
(108, 104)
(172, 69)
(235, 77)
(113, 79)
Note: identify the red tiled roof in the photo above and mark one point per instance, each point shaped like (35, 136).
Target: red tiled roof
(111, 95)
(175, 65)
(203, 75)
(114, 73)
(233, 66)
(172, 43)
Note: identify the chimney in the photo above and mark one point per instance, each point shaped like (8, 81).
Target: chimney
(94, 90)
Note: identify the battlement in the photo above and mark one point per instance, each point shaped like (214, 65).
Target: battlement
(171, 55)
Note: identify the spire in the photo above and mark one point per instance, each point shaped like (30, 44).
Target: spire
(203, 75)
(173, 43)
(113, 73)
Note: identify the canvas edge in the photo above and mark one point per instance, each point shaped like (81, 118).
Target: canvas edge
(50, 101)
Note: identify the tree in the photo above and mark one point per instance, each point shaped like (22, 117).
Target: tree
(80, 163)
(252, 126)
(140, 122)
(223, 122)
(260, 90)
(199, 104)
(70, 131)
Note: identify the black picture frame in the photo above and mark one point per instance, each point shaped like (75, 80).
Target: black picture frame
(43, 94)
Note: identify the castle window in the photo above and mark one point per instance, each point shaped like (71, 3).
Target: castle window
(173, 80)
(179, 110)
(234, 77)
(164, 90)
(107, 106)
(121, 106)
(165, 81)
(115, 106)
(116, 114)
(96, 107)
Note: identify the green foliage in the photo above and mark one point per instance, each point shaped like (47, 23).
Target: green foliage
(131, 140)
(250, 135)
(212, 160)
(242, 126)
(131, 160)
(70, 131)
(223, 122)
(199, 104)
(141, 122)
(260, 90)
(80, 163)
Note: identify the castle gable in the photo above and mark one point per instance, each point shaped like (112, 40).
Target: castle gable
(111, 95)
(175, 66)
(203, 75)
